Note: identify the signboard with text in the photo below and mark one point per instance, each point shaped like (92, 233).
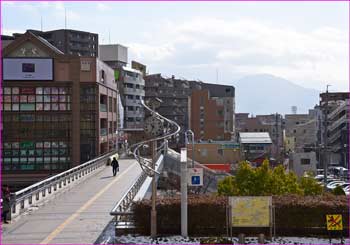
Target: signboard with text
(28, 69)
(253, 211)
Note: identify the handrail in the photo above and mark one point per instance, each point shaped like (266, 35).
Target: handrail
(164, 137)
(25, 198)
(62, 174)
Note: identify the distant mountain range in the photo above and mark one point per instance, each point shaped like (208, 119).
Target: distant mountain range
(266, 94)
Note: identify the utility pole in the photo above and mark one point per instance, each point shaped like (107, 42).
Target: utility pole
(325, 160)
(183, 162)
(154, 192)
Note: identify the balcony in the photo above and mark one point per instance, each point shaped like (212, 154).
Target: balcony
(103, 131)
(103, 108)
(337, 123)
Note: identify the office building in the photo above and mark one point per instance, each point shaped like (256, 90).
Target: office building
(58, 110)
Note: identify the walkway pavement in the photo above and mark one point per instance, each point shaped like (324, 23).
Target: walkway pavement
(79, 215)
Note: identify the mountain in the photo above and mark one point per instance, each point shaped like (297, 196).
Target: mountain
(266, 94)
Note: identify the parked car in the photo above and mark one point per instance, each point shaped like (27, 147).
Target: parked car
(332, 185)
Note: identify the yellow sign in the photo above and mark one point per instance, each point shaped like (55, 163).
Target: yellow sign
(251, 211)
(334, 222)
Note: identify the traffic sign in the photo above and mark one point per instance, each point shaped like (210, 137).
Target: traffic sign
(195, 176)
(334, 222)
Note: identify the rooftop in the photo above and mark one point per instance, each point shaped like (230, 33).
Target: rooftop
(255, 138)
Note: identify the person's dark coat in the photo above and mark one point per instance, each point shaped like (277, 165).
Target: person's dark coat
(115, 163)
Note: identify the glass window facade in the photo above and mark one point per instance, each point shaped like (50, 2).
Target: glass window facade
(88, 122)
(37, 99)
(34, 137)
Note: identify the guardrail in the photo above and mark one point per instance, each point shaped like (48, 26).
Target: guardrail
(26, 198)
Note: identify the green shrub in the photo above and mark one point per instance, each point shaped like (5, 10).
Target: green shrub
(338, 191)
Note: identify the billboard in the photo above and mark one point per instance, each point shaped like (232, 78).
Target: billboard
(27, 69)
(251, 211)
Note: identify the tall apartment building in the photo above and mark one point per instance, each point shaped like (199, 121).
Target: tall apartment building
(72, 42)
(338, 116)
(132, 89)
(212, 118)
(273, 124)
(58, 110)
(175, 95)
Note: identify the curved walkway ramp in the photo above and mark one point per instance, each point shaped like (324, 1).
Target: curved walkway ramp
(79, 214)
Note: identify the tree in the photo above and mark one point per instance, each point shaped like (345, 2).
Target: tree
(263, 180)
(310, 186)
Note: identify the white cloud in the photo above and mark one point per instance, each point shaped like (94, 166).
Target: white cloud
(102, 7)
(249, 46)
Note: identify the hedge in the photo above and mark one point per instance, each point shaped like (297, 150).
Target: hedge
(295, 215)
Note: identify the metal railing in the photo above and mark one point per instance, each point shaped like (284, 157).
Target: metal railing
(26, 198)
(121, 211)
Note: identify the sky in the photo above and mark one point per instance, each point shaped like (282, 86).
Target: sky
(304, 42)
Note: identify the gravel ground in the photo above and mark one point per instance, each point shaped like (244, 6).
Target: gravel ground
(130, 239)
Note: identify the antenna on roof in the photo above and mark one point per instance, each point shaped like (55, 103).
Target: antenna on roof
(41, 23)
(65, 18)
(217, 75)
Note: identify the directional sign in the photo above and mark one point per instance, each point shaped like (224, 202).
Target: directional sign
(195, 176)
(334, 222)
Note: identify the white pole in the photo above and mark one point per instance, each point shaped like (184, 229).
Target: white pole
(184, 232)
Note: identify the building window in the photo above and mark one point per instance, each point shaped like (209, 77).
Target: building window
(305, 161)
(204, 152)
(221, 152)
(110, 104)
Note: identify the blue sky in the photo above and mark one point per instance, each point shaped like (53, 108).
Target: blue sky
(305, 42)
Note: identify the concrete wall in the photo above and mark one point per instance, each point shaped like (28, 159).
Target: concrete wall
(113, 52)
(300, 168)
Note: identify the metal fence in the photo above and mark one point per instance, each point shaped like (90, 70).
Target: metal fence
(32, 195)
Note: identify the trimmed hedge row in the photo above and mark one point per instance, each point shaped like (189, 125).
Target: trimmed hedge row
(295, 215)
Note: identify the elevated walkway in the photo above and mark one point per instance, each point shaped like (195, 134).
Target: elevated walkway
(78, 214)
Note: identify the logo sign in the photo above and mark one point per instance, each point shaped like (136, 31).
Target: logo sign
(251, 211)
(334, 222)
(195, 177)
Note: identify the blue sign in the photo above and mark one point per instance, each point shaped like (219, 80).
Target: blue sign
(196, 180)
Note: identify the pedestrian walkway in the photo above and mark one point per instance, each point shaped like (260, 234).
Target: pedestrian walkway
(78, 215)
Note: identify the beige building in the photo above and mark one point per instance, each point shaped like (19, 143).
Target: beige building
(219, 155)
(300, 132)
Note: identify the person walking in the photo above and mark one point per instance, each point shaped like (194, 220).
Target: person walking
(115, 166)
(5, 203)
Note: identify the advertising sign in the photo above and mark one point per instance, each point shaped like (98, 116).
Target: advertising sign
(27, 69)
(195, 176)
(334, 222)
(251, 211)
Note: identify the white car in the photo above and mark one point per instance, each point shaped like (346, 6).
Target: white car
(332, 185)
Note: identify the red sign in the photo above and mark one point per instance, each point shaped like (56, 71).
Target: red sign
(219, 167)
(27, 90)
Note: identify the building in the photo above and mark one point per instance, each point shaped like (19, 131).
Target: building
(216, 155)
(131, 85)
(302, 163)
(301, 132)
(338, 116)
(115, 55)
(212, 118)
(273, 124)
(6, 40)
(175, 94)
(72, 42)
(255, 146)
(59, 110)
